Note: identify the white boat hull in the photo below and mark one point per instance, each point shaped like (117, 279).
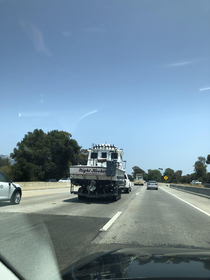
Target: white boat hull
(94, 173)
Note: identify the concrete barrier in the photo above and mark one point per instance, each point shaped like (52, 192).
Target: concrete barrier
(194, 190)
(42, 185)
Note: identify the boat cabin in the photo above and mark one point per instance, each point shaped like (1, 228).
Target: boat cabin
(100, 154)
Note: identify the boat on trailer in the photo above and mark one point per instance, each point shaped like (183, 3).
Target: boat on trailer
(103, 176)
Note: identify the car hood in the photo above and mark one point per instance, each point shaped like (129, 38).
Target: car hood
(142, 263)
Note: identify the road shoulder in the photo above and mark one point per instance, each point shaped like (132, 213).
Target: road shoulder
(198, 202)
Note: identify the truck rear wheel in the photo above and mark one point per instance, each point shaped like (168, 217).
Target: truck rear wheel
(118, 196)
(80, 197)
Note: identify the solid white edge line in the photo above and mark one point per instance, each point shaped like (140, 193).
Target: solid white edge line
(111, 221)
(188, 203)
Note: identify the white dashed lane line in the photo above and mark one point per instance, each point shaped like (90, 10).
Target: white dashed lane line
(111, 221)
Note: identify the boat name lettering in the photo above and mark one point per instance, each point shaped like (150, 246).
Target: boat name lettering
(94, 170)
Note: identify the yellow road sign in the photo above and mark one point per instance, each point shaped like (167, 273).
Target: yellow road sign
(165, 177)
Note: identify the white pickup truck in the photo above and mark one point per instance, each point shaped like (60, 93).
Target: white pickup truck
(196, 182)
(127, 184)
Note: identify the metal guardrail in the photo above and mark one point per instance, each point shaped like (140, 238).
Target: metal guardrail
(197, 191)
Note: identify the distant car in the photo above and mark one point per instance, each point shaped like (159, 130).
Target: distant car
(196, 182)
(9, 191)
(65, 180)
(152, 185)
(51, 180)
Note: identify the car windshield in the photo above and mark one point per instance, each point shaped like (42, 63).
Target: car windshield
(73, 75)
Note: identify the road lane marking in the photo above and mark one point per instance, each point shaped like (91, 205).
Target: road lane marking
(111, 221)
(204, 212)
(137, 193)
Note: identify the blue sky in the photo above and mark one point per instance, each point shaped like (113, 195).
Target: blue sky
(133, 73)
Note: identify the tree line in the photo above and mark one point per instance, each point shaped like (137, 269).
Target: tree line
(170, 176)
(41, 156)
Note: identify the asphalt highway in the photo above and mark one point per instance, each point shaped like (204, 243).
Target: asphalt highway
(53, 226)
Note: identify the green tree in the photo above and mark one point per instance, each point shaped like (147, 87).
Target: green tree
(200, 168)
(5, 167)
(82, 157)
(208, 178)
(169, 173)
(176, 178)
(208, 159)
(4, 162)
(208, 174)
(154, 175)
(40, 156)
(64, 151)
(186, 179)
(6, 171)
